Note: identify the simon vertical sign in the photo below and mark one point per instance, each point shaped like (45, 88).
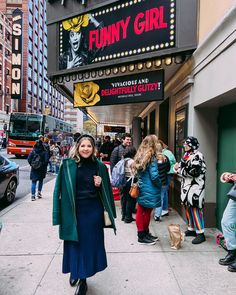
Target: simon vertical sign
(16, 80)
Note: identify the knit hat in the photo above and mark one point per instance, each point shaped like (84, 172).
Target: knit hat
(192, 142)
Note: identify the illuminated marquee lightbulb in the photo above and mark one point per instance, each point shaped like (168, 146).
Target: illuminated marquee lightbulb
(158, 63)
(168, 61)
(140, 66)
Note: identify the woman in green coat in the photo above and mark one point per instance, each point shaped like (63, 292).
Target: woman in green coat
(82, 193)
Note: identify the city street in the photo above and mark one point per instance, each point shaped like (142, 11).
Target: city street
(24, 186)
(31, 258)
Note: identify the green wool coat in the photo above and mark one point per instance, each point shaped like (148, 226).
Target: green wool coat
(64, 211)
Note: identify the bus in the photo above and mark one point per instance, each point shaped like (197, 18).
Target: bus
(24, 130)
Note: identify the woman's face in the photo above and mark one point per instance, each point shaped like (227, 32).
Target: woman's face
(75, 38)
(187, 148)
(85, 149)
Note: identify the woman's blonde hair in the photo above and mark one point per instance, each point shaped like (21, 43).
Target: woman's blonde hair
(74, 151)
(149, 149)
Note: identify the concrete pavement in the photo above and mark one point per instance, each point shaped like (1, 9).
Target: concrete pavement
(31, 254)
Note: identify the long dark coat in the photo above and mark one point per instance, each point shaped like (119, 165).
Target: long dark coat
(64, 211)
(39, 174)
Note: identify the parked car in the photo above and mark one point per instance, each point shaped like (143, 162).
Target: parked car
(9, 179)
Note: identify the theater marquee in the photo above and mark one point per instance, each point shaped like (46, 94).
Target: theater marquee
(126, 89)
(120, 30)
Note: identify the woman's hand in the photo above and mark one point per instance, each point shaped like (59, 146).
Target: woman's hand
(176, 166)
(97, 180)
(76, 62)
(232, 177)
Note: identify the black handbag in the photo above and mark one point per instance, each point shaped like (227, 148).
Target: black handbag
(232, 192)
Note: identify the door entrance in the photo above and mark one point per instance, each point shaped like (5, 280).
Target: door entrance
(226, 155)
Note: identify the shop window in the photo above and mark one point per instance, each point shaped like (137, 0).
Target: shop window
(181, 127)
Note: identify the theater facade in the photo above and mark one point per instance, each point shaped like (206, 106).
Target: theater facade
(151, 66)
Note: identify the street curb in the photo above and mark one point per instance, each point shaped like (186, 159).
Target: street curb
(18, 202)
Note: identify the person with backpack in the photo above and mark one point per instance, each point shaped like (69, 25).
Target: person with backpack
(146, 168)
(118, 151)
(38, 160)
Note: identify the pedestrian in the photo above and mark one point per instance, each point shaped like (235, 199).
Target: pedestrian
(163, 165)
(128, 203)
(228, 223)
(146, 168)
(38, 160)
(106, 149)
(82, 192)
(192, 169)
(118, 151)
(165, 196)
(55, 158)
(117, 155)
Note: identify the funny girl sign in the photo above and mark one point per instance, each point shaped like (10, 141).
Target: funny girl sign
(123, 29)
(120, 90)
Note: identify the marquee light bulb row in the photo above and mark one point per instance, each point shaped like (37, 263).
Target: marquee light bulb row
(156, 64)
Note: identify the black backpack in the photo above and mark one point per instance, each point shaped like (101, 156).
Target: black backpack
(36, 162)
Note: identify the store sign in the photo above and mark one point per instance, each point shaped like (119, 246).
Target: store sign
(123, 29)
(114, 129)
(120, 90)
(16, 80)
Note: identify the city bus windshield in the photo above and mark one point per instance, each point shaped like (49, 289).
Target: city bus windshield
(25, 126)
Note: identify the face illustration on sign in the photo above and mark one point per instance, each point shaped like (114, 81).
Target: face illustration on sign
(74, 52)
(86, 94)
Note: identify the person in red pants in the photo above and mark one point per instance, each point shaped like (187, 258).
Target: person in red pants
(145, 168)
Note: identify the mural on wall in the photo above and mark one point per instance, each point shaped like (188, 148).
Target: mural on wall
(120, 30)
(136, 88)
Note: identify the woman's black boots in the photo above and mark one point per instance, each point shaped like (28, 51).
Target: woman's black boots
(73, 282)
(229, 258)
(82, 287)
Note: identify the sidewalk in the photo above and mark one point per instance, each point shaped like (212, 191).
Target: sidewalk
(31, 254)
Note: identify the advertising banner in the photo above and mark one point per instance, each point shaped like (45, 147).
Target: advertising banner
(119, 30)
(16, 80)
(120, 90)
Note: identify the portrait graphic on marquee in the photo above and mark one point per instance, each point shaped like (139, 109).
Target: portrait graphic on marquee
(86, 94)
(119, 30)
(74, 51)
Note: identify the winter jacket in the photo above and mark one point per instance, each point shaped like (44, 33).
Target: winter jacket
(193, 172)
(64, 211)
(171, 158)
(116, 155)
(149, 186)
(38, 174)
(163, 168)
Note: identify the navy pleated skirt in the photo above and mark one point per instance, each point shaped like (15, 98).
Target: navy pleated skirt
(85, 258)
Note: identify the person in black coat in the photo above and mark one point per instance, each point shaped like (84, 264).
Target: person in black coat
(38, 170)
(106, 149)
(118, 151)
